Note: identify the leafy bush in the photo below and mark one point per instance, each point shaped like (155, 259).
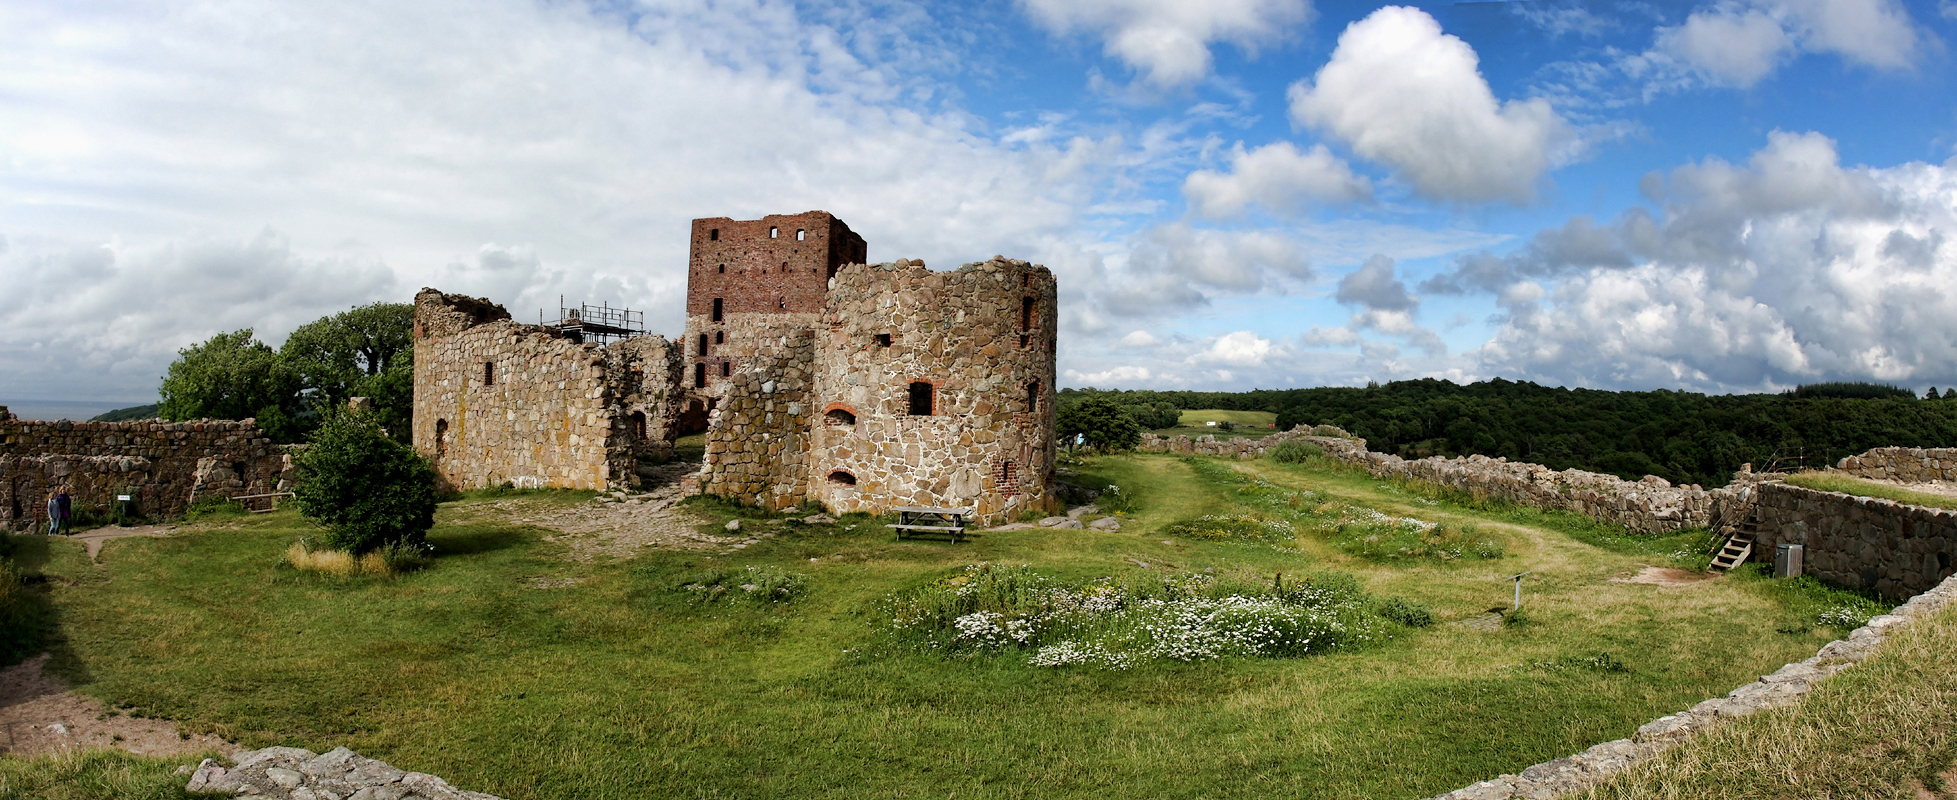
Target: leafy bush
(1182, 617)
(763, 584)
(1154, 416)
(368, 490)
(1293, 451)
(1103, 424)
(1406, 612)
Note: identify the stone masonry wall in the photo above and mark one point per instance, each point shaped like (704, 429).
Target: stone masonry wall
(983, 338)
(1647, 506)
(160, 464)
(1906, 464)
(1896, 549)
(757, 439)
(497, 401)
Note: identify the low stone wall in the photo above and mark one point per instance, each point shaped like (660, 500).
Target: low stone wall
(1859, 542)
(161, 465)
(1906, 464)
(1651, 505)
(289, 773)
(1784, 687)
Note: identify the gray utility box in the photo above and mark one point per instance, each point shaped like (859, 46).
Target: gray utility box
(1787, 561)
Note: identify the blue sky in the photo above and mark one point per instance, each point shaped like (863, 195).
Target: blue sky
(1728, 196)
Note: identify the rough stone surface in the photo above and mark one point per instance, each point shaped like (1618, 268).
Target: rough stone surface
(501, 402)
(1904, 464)
(289, 773)
(163, 466)
(1859, 542)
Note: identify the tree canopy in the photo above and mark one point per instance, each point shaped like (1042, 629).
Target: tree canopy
(230, 376)
(1104, 425)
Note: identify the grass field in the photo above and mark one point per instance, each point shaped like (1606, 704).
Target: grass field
(1250, 423)
(1846, 484)
(622, 685)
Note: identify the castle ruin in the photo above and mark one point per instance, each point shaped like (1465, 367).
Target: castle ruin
(815, 376)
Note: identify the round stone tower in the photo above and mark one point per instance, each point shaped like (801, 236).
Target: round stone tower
(935, 389)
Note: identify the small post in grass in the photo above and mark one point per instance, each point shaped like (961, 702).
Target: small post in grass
(1518, 588)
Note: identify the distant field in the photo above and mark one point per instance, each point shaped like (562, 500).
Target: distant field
(1251, 424)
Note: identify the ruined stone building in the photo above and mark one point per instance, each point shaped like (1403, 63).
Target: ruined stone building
(815, 376)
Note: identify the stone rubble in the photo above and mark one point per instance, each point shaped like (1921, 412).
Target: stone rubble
(289, 773)
(1784, 687)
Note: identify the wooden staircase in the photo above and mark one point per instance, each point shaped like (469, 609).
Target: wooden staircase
(1738, 546)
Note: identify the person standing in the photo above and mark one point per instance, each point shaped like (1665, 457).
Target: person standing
(67, 510)
(54, 515)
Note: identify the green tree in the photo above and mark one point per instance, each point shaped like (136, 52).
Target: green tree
(1103, 423)
(230, 376)
(366, 351)
(368, 490)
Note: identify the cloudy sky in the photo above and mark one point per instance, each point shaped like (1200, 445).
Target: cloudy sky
(1738, 195)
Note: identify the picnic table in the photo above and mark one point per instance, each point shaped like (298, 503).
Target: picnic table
(916, 519)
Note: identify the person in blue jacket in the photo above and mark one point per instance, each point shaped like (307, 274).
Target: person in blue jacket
(67, 510)
(54, 514)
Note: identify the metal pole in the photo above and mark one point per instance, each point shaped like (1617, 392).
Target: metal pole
(1518, 588)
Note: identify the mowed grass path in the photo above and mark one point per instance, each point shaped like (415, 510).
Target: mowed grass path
(618, 687)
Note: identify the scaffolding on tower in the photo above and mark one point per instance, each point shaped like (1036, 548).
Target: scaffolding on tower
(600, 323)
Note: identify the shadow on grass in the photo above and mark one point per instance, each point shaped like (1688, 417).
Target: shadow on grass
(30, 623)
(472, 540)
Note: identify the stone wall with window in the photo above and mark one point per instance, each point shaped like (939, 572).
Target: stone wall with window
(935, 388)
(498, 402)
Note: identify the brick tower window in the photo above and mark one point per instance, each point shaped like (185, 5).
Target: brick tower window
(703, 345)
(716, 309)
(719, 337)
(774, 232)
(699, 376)
(1026, 313)
(801, 235)
(922, 398)
(489, 373)
(713, 235)
(726, 368)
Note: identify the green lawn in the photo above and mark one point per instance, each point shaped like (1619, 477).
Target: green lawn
(1848, 484)
(619, 686)
(1249, 423)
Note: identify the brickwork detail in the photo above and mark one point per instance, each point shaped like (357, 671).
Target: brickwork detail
(161, 465)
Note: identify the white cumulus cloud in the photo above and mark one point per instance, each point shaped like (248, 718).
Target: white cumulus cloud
(1241, 348)
(1401, 92)
(1168, 41)
(1737, 43)
(1277, 177)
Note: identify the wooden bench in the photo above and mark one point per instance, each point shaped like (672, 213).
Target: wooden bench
(919, 519)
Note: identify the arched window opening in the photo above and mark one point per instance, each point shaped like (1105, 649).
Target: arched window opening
(441, 438)
(726, 368)
(489, 373)
(703, 345)
(1032, 396)
(713, 235)
(716, 309)
(639, 427)
(842, 478)
(700, 376)
(774, 233)
(723, 269)
(922, 398)
(801, 234)
(839, 416)
(719, 337)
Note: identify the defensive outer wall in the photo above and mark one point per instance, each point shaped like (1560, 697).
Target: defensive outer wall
(163, 466)
(1896, 549)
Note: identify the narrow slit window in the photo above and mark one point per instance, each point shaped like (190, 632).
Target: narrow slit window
(489, 373)
(716, 309)
(726, 368)
(801, 235)
(774, 233)
(441, 439)
(713, 235)
(723, 269)
(922, 398)
(639, 427)
(699, 376)
(719, 337)
(1032, 396)
(1026, 313)
(703, 345)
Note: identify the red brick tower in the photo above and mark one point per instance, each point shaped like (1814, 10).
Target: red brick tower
(749, 283)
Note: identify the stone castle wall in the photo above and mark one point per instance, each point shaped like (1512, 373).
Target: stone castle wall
(1906, 464)
(1893, 548)
(1651, 505)
(497, 401)
(983, 338)
(757, 441)
(163, 466)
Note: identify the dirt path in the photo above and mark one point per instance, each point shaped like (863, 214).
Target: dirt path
(40, 716)
(94, 538)
(616, 525)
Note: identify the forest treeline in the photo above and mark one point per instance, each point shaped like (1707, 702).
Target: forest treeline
(1680, 436)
